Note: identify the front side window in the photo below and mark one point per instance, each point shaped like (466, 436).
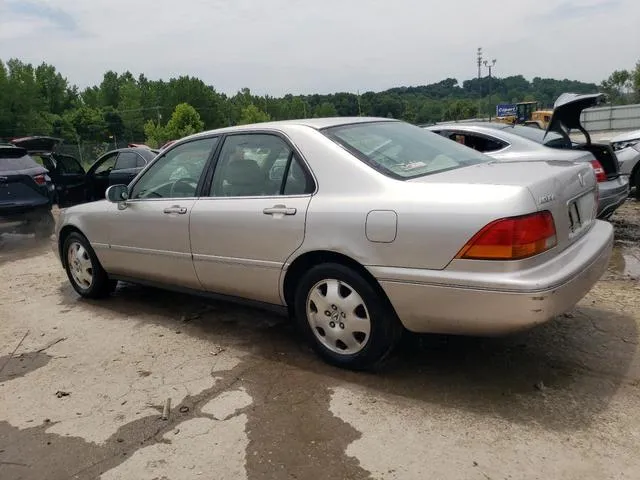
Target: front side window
(256, 165)
(176, 174)
(401, 150)
(69, 165)
(126, 160)
(107, 164)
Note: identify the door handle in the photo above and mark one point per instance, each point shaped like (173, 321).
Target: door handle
(176, 209)
(279, 210)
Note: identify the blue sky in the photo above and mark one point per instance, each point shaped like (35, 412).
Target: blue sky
(306, 46)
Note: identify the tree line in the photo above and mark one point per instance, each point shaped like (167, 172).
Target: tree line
(39, 100)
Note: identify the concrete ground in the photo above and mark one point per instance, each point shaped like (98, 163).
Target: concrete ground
(83, 386)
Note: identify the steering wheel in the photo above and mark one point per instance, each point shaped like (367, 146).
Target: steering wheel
(191, 182)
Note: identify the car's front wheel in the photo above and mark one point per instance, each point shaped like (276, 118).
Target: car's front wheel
(85, 273)
(347, 321)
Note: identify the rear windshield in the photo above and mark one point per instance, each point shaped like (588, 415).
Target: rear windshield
(401, 150)
(12, 164)
(550, 139)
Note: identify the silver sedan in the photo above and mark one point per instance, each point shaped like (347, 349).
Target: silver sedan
(359, 227)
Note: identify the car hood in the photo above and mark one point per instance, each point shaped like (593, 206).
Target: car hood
(37, 144)
(626, 137)
(568, 108)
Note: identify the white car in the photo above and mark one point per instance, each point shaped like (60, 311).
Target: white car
(627, 148)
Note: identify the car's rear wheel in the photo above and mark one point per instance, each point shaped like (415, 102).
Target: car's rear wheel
(85, 273)
(346, 320)
(635, 181)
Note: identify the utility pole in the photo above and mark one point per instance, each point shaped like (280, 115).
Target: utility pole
(490, 66)
(479, 53)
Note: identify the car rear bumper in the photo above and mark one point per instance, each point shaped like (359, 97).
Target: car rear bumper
(431, 301)
(612, 194)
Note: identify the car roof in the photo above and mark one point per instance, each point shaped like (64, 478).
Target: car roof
(315, 123)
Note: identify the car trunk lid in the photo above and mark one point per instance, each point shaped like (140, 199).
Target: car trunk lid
(38, 144)
(567, 112)
(567, 189)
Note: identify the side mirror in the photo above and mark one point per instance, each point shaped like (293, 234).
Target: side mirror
(117, 193)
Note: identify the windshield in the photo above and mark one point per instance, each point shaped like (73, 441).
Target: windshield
(401, 150)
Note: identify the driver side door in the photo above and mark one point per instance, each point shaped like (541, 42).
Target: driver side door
(149, 233)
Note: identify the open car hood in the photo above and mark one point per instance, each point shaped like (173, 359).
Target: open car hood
(37, 144)
(568, 108)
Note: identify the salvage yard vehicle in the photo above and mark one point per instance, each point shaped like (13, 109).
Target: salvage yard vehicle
(627, 148)
(26, 194)
(66, 172)
(116, 167)
(513, 143)
(373, 226)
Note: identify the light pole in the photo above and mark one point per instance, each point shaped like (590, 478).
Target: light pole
(479, 59)
(490, 66)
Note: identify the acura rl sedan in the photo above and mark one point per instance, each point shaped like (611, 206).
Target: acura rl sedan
(358, 227)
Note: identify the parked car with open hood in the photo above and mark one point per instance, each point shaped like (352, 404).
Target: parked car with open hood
(26, 194)
(627, 148)
(514, 143)
(372, 226)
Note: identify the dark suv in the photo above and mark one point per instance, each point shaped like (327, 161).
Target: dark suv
(26, 194)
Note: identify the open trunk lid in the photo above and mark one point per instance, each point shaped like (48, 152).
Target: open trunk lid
(39, 144)
(567, 189)
(567, 112)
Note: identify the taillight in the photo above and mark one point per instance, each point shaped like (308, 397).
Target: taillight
(512, 238)
(40, 179)
(601, 176)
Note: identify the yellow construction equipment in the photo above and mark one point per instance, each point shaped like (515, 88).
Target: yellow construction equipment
(527, 113)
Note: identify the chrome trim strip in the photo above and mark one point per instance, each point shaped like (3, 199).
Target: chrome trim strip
(244, 262)
(149, 251)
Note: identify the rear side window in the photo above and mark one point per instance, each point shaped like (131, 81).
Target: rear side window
(126, 160)
(401, 150)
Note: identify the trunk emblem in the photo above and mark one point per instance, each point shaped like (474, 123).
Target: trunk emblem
(550, 197)
(581, 179)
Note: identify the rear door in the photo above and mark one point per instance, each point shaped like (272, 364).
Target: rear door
(251, 218)
(128, 165)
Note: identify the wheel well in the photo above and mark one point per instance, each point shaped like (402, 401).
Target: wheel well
(310, 259)
(64, 233)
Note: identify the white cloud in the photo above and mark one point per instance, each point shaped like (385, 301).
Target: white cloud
(279, 46)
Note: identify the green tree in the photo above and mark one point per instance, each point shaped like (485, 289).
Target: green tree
(184, 121)
(635, 81)
(618, 86)
(130, 110)
(252, 114)
(155, 134)
(326, 109)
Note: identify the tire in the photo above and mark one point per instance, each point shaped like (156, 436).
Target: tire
(635, 181)
(44, 225)
(84, 271)
(340, 320)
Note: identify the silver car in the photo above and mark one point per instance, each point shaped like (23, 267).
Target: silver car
(510, 143)
(372, 226)
(627, 148)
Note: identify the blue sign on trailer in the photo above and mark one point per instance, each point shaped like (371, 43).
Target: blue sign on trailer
(505, 109)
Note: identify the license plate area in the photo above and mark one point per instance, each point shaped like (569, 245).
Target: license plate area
(581, 212)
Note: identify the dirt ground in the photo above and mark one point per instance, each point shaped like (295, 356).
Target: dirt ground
(83, 386)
